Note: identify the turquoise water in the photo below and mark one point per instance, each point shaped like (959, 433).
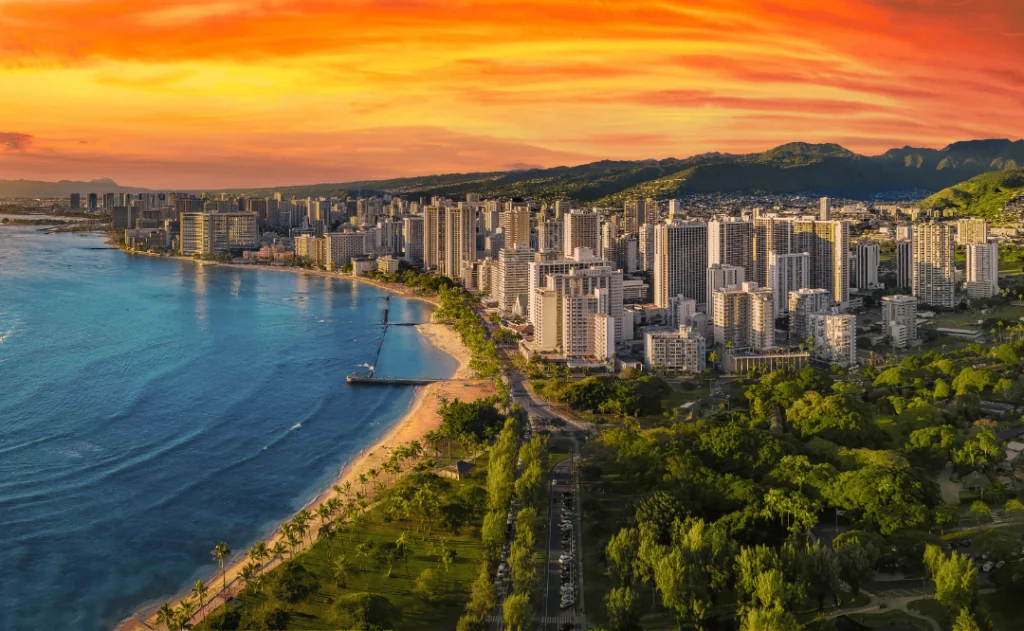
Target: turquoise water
(150, 408)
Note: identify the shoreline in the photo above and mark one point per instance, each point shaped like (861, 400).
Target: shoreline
(395, 288)
(421, 417)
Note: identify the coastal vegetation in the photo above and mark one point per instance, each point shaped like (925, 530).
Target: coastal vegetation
(406, 559)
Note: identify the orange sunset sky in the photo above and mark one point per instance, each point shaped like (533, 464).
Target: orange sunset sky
(219, 93)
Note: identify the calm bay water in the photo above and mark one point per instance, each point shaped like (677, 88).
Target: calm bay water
(150, 408)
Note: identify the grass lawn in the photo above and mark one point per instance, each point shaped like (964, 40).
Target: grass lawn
(1006, 611)
(969, 319)
(890, 617)
(931, 608)
(365, 576)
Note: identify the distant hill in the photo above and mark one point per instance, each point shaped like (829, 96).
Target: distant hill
(996, 196)
(825, 169)
(64, 188)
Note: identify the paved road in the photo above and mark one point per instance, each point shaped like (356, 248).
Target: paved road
(562, 486)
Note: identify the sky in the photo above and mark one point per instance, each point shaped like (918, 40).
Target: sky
(233, 93)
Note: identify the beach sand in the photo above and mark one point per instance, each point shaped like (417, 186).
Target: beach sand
(422, 417)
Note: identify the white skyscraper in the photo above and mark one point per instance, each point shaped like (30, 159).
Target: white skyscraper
(934, 273)
(835, 338)
(787, 273)
(803, 303)
(513, 277)
(982, 270)
(744, 317)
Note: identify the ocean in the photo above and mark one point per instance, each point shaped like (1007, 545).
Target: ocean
(150, 408)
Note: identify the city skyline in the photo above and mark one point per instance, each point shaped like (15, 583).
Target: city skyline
(183, 94)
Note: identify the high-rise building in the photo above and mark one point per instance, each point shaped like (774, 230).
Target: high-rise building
(834, 338)
(646, 245)
(549, 235)
(609, 242)
(869, 255)
(513, 278)
(899, 319)
(802, 303)
(787, 273)
(904, 232)
(825, 209)
(982, 270)
(341, 247)
(675, 209)
(582, 230)
(731, 242)
(934, 273)
(412, 237)
(627, 254)
(972, 230)
(93, 202)
(771, 234)
(828, 244)
(635, 215)
(459, 240)
(721, 276)
(905, 264)
(540, 269)
(744, 317)
(562, 208)
(563, 310)
(516, 224)
(680, 261)
(216, 233)
(433, 236)
(76, 202)
(680, 349)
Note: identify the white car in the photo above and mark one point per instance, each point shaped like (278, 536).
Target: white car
(987, 567)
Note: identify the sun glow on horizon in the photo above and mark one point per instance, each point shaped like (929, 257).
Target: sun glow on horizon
(187, 93)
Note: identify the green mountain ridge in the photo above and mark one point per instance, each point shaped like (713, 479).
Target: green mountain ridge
(997, 196)
(797, 167)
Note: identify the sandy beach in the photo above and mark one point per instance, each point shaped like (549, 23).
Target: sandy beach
(422, 417)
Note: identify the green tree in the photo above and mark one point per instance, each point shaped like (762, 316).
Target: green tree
(220, 553)
(622, 606)
(200, 591)
(1014, 508)
(621, 553)
(942, 390)
(972, 379)
(946, 516)
(856, 563)
(980, 511)
(341, 568)
(365, 612)
(965, 621)
(518, 612)
(430, 586)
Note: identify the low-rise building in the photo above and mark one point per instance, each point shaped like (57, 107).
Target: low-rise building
(899, 319)
(679, 349)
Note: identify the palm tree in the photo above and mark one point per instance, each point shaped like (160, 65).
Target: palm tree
(324, 512)
(278, 549)
(165, 615)
(362, 481)
(402, 550)
(220, 554)
(340, 569)
(184, 613)
(326, 532)
(248, 574)
(199, 592)
(258, 553)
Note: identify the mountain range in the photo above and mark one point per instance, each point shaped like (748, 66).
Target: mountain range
(825, 169)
